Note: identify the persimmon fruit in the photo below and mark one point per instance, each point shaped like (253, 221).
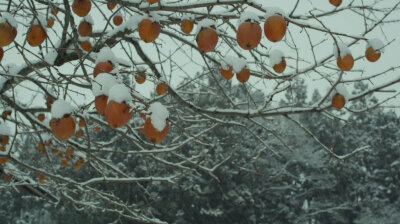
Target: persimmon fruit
(346, 63)
(117, 20)
(79, 163)
(207, 39)
(50, 22)
(102, 67)
(101, 103)
(140, 77)
(84, 28)
(152, 1)
(280, 67)
(4, 160)
(275, 28)
(41, 117)
(187, 26)
(79, 133)
(36, 35)
(81, 122)
(63, 128)
(4, 140)
(372, 55)
(152, 134)
(338, 101)
(81, 7)
(5, 114)
(111, 5)
(7, 34)
(243, 75)
(117, 114)
(64, 163)
(161, 88)
(86, 45)
(149, 30)
(54, 11)
(335, 2)
(226, 73)
(248, 35)
(49, 101)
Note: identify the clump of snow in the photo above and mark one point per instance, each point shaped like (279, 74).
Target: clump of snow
(61, 107)
(13, 69)
(205, 23)
(88, 19)
(106, 54)
(51, 57)
(162, 79)
(305, 205)
(376, 44)
(87, 38)
(271, 11)
(237, 64)
(275, 57)
(159, 115)
(118, 14)
(40, 20)
(7, 17)
(156, 17)
(343, 49)
(4, 129)
(187, 16)
(248, 16)
(141, 69)
(103, 83)
(119, 93)
(341, 89)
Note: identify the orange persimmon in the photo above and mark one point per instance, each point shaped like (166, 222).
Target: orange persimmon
(149, 30)
(338, 101)
(63, 128)
(248, 35)
(102, 67)
(36, 35)
(117, 114)
(275, 28)
(187, 26)
(243, 75)
(81, 7)
(207, 39)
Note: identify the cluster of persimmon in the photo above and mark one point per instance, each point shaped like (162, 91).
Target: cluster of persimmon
(248, 34)
(140, 78)
(241, 76)
(85, 28)
(68, 156)
(42, 178)
(345, 60)
(62, 131)
(117, 112)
